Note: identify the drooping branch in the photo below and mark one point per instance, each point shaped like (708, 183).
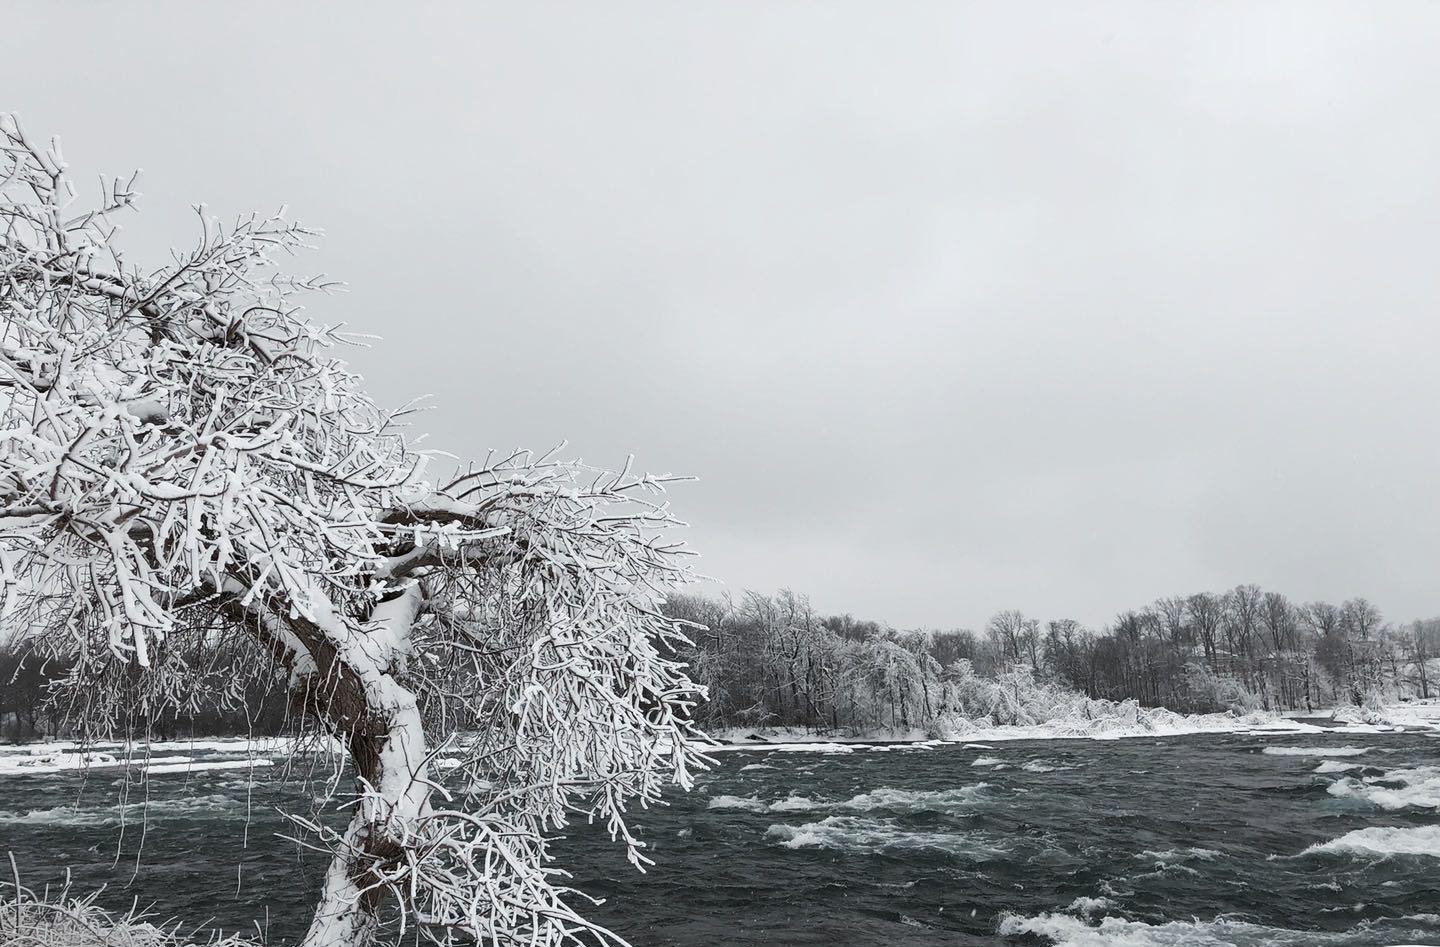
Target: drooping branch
(187, 469)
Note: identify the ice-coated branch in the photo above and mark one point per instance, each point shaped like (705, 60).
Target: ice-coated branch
(186, 470)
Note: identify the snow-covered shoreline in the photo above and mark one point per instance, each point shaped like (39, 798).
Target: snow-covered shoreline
(1418, 716)
(178, 756)
(157, 758)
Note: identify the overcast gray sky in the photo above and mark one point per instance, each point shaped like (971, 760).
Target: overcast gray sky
(954, 307)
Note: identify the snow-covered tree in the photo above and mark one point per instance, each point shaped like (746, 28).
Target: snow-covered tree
(186, 471)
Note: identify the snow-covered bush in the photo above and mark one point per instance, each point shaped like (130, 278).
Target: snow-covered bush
(1209, 690)
(190, 483)
(1015, 698)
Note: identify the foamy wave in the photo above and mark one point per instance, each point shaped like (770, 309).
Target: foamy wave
(856, 834)
(60, 815)
(1063, 930)
(1171, 855)
(916, 800)
(203, 806)
(987, 761)
(1037, 766)
(747, 803)
(1383, 842)
(1315, 750)
(1335, 766)
(884, 798)
(1418, 787)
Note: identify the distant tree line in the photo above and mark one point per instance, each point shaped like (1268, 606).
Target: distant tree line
(771, 660)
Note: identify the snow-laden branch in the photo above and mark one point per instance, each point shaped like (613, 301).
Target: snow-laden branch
(186, 470)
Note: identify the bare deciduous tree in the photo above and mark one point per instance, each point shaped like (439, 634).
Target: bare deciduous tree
(1008, 631)
(1207, 612)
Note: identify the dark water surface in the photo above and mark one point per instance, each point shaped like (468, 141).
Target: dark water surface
(1193, 840)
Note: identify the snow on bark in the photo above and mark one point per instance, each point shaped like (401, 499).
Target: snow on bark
(191, 485)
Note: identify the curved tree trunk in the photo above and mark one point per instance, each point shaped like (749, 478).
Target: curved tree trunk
(390, 773)
(345, 676)
(343, 918)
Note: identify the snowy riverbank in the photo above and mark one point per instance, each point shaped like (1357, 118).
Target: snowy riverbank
(227, 753)
(1142, 722)
(160, 757)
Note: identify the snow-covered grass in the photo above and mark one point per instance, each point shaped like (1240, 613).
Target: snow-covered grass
(64, 921)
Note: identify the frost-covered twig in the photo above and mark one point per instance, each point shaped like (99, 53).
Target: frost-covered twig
(190, 482)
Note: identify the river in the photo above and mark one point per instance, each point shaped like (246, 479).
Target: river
(1192, 840)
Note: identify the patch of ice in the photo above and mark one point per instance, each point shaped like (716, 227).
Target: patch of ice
(986, 761)
(1315, 750)
(34, 763)
(66, 756)
(205, 766)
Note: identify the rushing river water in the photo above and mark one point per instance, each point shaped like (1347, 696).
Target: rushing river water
(1200, 840)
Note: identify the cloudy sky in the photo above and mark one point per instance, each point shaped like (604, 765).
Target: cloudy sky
(953, 307)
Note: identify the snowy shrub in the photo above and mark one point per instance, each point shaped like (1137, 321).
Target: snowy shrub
(1015, 698)
(1209, 690)
(61, 920)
